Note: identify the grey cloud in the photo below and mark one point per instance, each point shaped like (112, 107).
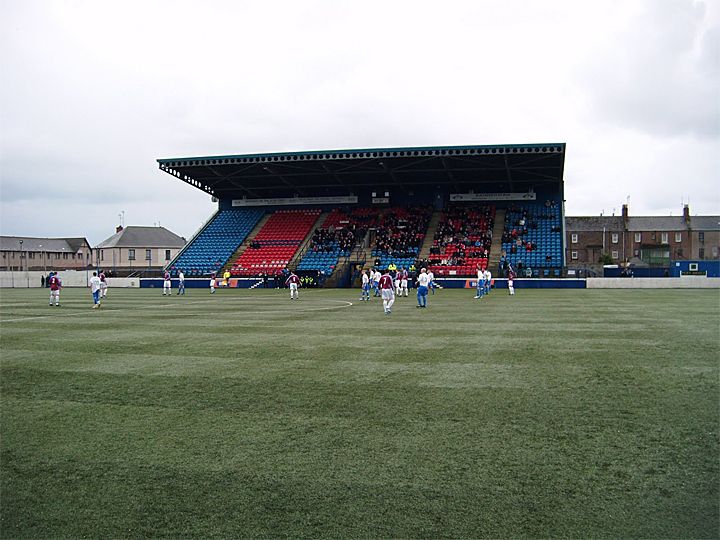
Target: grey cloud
(660, 74)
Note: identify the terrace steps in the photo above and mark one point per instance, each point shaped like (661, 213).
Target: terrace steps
(496, 245)
(430, 235)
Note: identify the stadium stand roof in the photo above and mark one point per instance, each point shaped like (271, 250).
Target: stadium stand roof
(498, 168)
(143, 237)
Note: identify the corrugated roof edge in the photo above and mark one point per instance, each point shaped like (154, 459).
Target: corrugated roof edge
(561, 148)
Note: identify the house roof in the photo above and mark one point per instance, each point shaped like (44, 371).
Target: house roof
(656, 223)
(143, 237)
(705, 223)
(51, 245)
(594, 223)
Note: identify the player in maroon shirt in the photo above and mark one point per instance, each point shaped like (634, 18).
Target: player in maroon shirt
(293, 281)
(387, 291)
(511, 278)
(55, 286)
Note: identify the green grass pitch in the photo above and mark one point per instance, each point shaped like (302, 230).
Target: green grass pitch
(554, 413)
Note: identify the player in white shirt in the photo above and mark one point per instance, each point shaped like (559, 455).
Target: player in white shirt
(423, 282)
(488, 281)
(181, 283)
(212, 284)
(480, 286)
(431, 281)
(365, 292)
(376, 281)
(95, 289)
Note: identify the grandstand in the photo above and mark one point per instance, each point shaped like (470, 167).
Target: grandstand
(533, 237)
(215, 242)
(325, 212)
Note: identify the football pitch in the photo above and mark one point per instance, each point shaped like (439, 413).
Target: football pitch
(553, 413)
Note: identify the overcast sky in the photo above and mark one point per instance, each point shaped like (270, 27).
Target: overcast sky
(93, 92)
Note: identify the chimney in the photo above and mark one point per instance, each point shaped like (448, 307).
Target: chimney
(625, 211)
(686, 213)
(118, 229)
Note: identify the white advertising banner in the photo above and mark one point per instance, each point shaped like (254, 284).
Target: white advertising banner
(295, 201)
(492, 197)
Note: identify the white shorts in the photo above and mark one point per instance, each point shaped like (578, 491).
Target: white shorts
(167, 284)
(403, 283)
(103, 285)
(293, 286)
(388, 294)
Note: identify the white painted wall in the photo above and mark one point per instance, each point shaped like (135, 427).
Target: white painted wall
(70, 278)
(685, 282)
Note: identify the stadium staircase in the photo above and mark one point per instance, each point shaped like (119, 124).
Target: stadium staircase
(300, 253)
(430, 235)
(242, 247)
(496, 246)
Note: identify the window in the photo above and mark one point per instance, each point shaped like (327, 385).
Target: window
(167, 254)
(693, 267)
(573, 255)
(131, 254)
(148, 255)
(615, 255)
(573, 238)
(664, 238)
(678, 237)
(679, 253)
(615, 238)
(66, 255)
(32, 254)
(102, 254)
(638, 237)
(701, 236)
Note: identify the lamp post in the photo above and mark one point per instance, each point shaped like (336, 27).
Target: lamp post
(22, 266)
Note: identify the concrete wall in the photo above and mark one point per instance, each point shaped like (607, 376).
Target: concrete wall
(70, 278)
(685, 282)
